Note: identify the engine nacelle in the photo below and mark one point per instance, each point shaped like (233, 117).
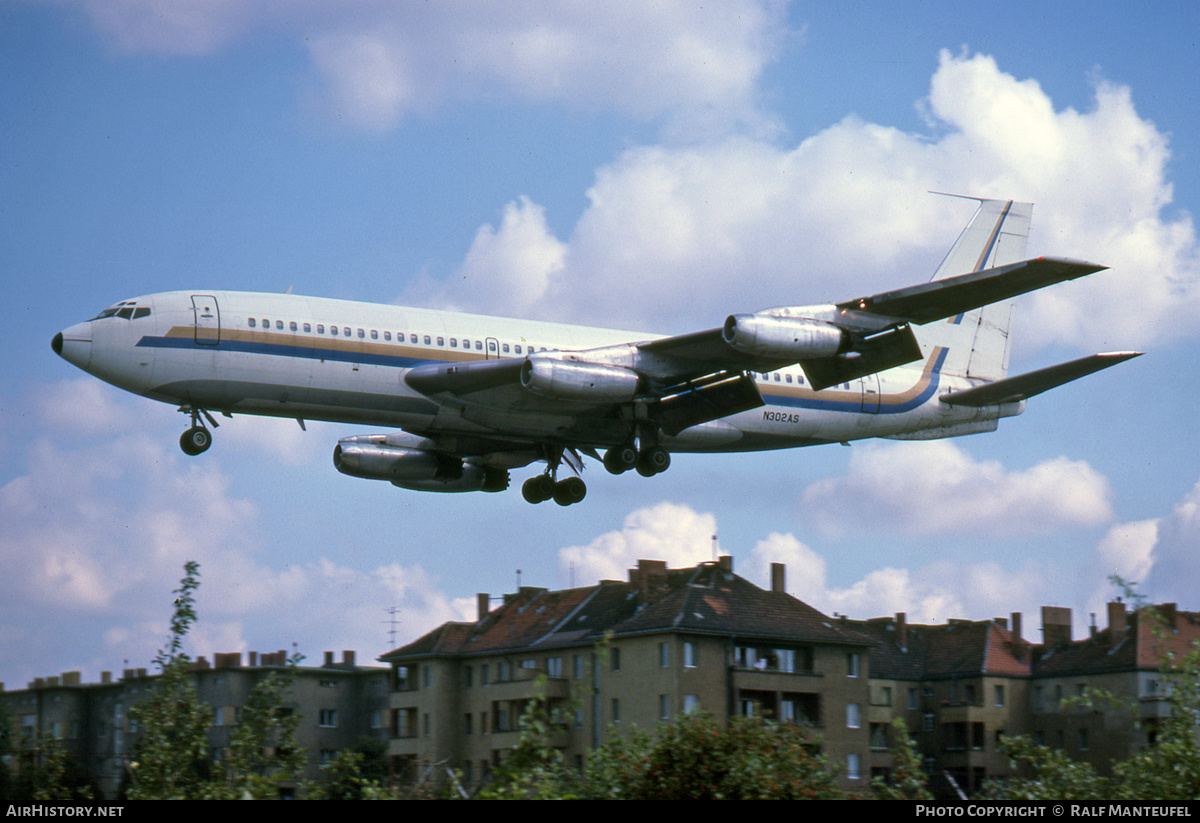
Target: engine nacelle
(570, 380)
(785, 338)
(415, 469)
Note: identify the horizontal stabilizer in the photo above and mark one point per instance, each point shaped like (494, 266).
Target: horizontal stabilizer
(1024, 386)
(954, 295)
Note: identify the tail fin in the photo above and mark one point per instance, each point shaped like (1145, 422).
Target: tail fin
(978, 341)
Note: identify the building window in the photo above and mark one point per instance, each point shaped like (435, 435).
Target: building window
(853, 717)
(554, 667)
(577, 665)
(664, 655)
(852, 661)
(615, 658)
(912, 700)
(854, 766)
(999, 692)
(664, 707)
(691, 703)
(690, 656)
(616, 710)
(328, 719)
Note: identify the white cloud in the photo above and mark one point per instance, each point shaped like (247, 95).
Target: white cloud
(747, 224)
(946, 491)
(666, 531)
(97, 528)
(381, 61)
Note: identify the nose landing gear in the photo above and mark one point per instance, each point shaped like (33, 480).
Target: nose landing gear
(198, 438)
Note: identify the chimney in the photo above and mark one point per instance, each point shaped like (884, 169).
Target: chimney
(328, 658)
(253, 658)
(779, 578)
(1167, 612)
(1014, 621)
(348, 657)
(1118, 621)
(725, 562)
(902, 629)
(481, 605)
(1056, 625)
(648, 576)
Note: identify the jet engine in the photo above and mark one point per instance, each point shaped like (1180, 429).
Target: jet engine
(412, 468)
(785, 338)
(571, 380)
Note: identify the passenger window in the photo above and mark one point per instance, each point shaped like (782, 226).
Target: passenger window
(346, 330)
(320, 328)
(374, 334)
(266, 323)
(307, 328)
(387, 335)
(506, 348)
(518, 348)
(428, 341)
(292, 325)
(441, 341)
(454, 342)
(279, 325)
(252, 322)
(361, 334)
(412, 338)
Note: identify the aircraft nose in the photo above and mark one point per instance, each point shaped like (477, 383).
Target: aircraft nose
(74, 344)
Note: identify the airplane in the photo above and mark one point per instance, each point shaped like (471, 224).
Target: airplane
(468, 398)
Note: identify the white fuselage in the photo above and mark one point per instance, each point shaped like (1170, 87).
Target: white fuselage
(320, 359)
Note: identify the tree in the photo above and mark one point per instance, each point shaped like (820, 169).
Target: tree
(533, 769)
(171, 757)
(263, 754)
(1169, 769)
(694, 757)
(907, 780)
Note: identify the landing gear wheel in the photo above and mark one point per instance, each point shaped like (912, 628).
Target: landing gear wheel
(653, 460)
(620, 459)
(538, 489)
(569, 491)
(195, 440)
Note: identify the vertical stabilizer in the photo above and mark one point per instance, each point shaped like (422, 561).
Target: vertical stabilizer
(979, 340)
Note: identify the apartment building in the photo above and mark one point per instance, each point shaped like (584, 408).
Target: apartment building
(629, 653)
(339, 703)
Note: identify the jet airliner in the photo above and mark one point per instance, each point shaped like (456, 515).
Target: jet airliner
(466, 399)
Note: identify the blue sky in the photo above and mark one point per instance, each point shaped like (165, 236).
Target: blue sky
(643, 166)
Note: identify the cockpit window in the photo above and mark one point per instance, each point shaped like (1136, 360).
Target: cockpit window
(126, 309)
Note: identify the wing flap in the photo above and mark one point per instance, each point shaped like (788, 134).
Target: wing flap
(1030, 384)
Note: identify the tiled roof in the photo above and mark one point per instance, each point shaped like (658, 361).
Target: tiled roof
(703, 600)
(957, 648)
(1138, 647)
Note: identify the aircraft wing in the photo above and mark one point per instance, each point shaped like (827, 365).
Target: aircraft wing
(939, 299)
(691, 378)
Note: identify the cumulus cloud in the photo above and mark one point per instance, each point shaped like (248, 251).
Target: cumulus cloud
(747, 223)
(945, 491)
(378, 62)
(98, 527)
(932, 593)
(667, 531)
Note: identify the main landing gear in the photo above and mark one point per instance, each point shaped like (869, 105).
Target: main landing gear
(648, 462)
(198, 438)
(543, 487)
